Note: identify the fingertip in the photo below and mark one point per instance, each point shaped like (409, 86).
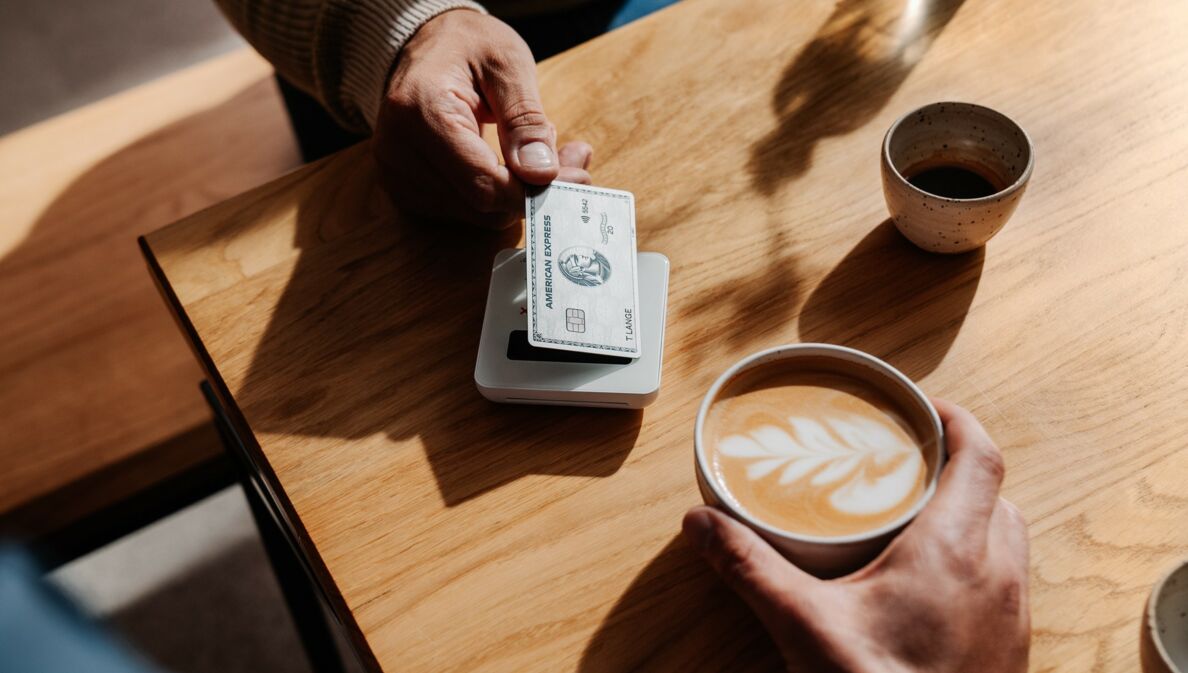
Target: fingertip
(724, 540)
(773, 587)
(697, 526)
(948, 411)
(967, 492)
(961, 427)
(939, 402)
(713, 532)
(576, 154)
(575, 175)
(535, 163)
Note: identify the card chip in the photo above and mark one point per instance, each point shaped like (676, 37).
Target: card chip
(575, 320)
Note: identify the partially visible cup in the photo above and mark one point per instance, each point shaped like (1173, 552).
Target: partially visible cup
(1163, 644)
(825, 451)
(953, 174)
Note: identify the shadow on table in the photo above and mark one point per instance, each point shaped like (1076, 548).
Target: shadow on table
(392, 312)
(678, 616)
(762, 301)
(378, 334)
(894, 300)
(840, 80)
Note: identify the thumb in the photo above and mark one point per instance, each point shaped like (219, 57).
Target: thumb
(776, 590)
(528, 140)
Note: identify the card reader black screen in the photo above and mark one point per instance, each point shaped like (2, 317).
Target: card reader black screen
(518, 348)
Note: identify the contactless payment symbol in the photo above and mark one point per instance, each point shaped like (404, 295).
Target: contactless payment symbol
(584, 266)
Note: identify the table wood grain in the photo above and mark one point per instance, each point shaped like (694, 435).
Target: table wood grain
(458, 535)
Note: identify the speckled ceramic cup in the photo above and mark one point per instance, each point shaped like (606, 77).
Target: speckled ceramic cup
(971, 138)
(1164, 638)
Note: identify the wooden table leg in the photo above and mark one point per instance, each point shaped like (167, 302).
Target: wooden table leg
(301, 592)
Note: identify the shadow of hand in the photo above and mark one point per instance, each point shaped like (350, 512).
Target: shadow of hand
(378, 333)
(678, 616)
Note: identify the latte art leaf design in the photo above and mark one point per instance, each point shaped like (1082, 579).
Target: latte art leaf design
(870, 469)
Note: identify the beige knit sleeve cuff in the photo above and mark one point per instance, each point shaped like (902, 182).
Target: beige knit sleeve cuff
(362, 41)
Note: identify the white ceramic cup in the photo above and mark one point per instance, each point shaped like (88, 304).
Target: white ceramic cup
(822, 556)
(1164, 638)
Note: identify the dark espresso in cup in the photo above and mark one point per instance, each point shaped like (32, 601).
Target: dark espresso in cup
(952, 181)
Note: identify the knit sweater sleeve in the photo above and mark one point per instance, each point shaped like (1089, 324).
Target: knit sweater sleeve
(340, 51)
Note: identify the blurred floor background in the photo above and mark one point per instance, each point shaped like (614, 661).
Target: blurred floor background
(194, 591)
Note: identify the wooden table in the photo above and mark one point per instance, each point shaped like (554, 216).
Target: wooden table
(457, 535)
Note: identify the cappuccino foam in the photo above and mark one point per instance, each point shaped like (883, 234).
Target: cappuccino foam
(815, 452)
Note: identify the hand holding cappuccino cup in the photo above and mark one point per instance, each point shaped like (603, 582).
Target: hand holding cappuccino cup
(949, 593)
(825, 451)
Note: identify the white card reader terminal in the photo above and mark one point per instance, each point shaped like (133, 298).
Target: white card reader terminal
(511, 370)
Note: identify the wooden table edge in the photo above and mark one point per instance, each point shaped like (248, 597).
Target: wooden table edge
(300, 542)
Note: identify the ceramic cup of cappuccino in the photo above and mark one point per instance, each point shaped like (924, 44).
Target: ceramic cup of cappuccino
(825, 451)
(953, 174)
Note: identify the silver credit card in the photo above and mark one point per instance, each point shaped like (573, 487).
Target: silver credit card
(583, 289)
